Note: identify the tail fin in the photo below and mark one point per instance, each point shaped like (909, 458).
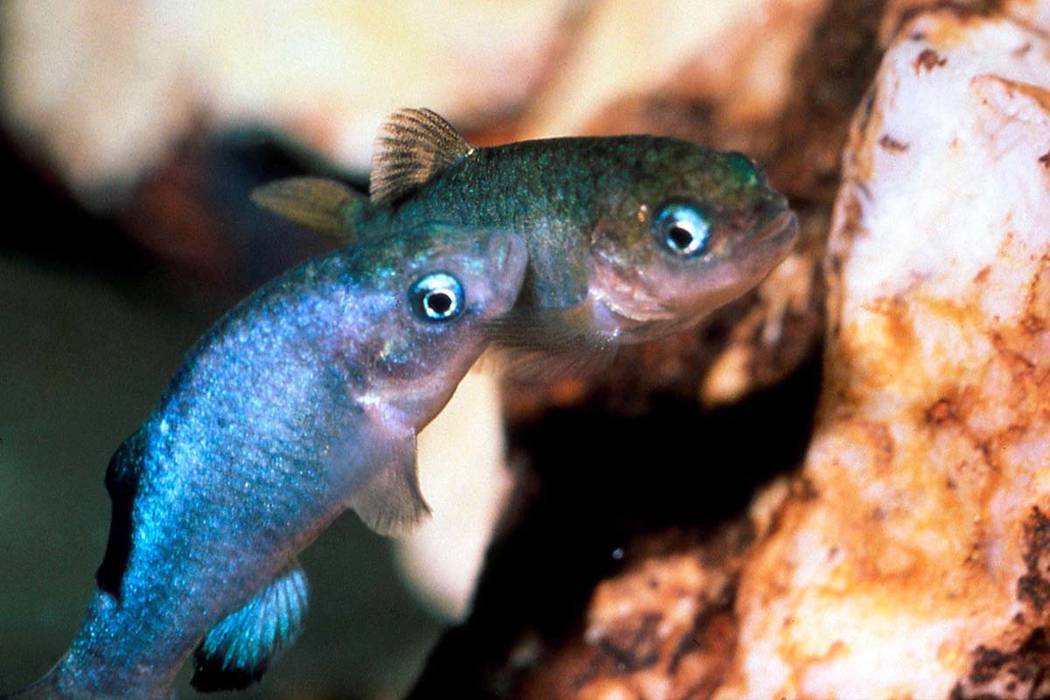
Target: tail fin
(324, 205)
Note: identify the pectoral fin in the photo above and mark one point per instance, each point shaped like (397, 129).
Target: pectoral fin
(567, 328)
(236, 652)
(390, 501)
(551, 344)
(320, 204)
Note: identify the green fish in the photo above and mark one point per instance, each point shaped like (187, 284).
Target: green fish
(630, 238)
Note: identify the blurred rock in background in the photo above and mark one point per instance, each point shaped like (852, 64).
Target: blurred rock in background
(104, 91)
(464, 474)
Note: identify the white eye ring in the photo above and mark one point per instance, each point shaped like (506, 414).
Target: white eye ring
(437, 296)
(682, 228)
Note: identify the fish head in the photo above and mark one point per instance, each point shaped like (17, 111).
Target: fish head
(445, 284)
(692, 230)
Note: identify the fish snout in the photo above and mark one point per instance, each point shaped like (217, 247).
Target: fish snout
(764, 229)
(780, 227)
(769, 220)
(780, 231)
(775, 233)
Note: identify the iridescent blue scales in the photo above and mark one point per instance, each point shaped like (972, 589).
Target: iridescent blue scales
(302, 402)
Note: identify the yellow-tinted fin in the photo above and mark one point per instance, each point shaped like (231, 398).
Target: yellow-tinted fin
(531, 328)
(543, 344)
(528, 366)
(413, 146)
(390, 501)
(320, 204)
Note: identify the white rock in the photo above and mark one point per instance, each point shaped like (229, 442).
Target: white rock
(931, 458)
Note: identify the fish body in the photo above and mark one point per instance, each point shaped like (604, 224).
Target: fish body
(630, 238)
(303, 401)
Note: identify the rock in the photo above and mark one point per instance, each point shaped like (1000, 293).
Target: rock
(915, 564)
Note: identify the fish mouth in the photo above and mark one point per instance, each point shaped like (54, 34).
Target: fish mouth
(763, 251)
(781, 230)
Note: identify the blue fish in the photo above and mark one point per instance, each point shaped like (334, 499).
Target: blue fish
(303, 401)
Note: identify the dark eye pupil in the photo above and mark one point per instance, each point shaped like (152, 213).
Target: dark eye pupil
(679, 237)
(438, 302)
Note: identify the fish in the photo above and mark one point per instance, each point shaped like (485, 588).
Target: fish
(302, 402)
(630, 238)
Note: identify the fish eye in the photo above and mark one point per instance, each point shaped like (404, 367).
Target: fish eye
(437, 296)
(683, 229)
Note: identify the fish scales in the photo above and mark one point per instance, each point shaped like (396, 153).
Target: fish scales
(300, 403)
(630, 238)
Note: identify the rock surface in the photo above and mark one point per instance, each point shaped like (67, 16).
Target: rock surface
(915, 564)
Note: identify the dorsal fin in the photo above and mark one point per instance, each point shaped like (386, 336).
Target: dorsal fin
(413, 146)
(235, 653)
(122, 483)
(321, 204)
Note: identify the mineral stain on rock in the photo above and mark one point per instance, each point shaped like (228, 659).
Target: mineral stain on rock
(927, 60)
(940, 412)
(891, 144)
(1020, 672)
(931, 354)
(1034, 587)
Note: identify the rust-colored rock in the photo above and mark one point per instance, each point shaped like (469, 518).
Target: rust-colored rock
(917, 570)
(657, 630)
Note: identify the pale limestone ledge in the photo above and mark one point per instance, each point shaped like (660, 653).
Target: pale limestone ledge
(932, 448)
